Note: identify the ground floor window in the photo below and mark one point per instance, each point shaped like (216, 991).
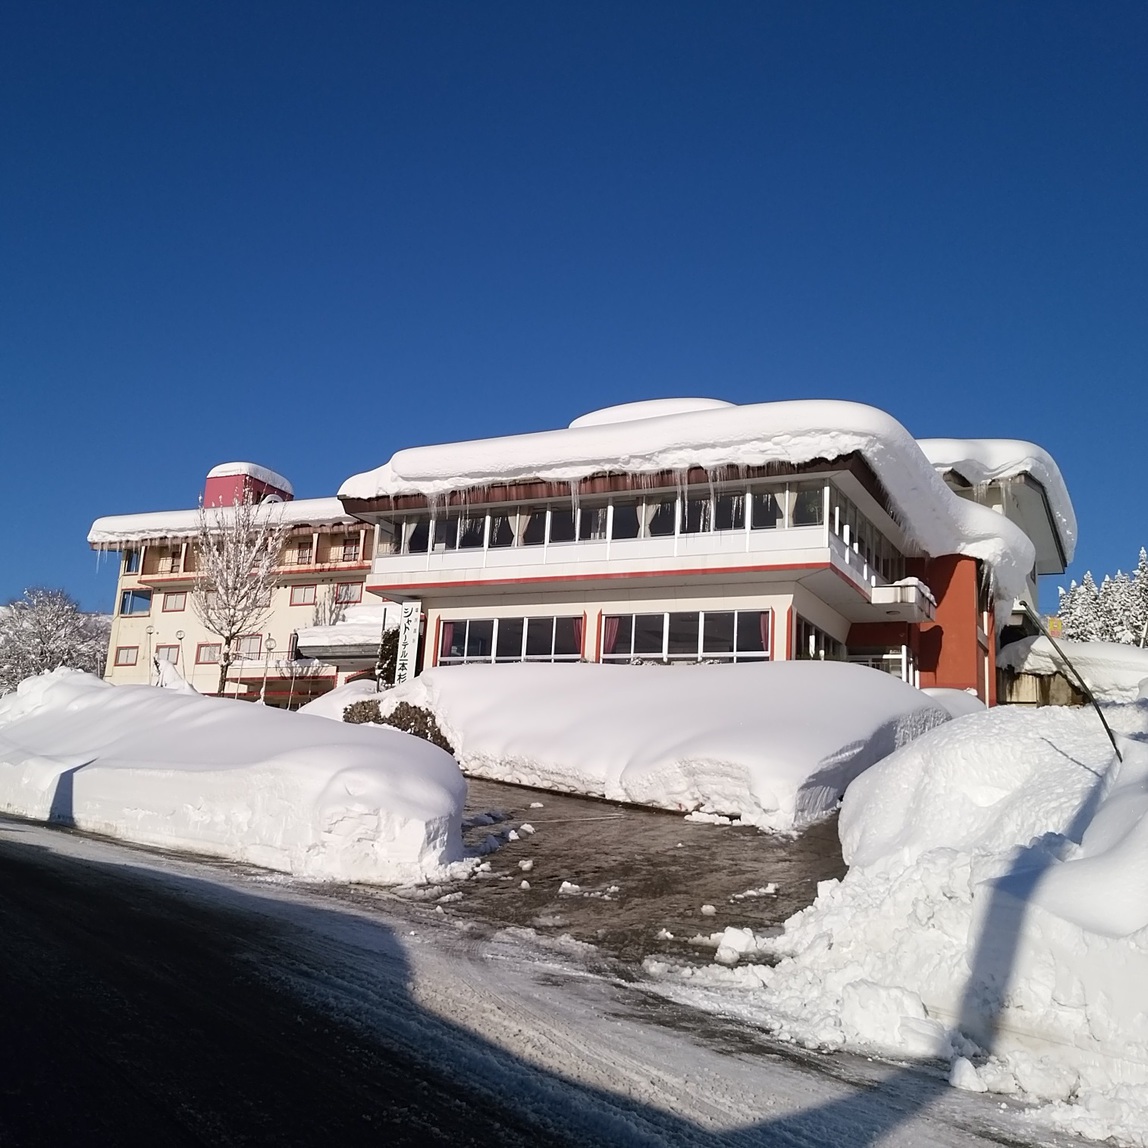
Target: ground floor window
(814, 644)
(167, 654)
(546, 639)
(897, 661)
(704, 636)
(208, 653)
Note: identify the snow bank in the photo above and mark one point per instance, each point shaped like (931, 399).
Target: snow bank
(994, 913)
(934, 518)
(775, 744)
(1113, 671)
(230, 779)
(334, 702)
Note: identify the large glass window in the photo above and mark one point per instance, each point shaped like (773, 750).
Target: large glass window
(626, 521)
(472, 533)
(717, 636)
(561, 524)
(418, 535)
(446, 533)
(546, 639)
(131, 561)
(592, 522)
(729, 512)
(135, 602)
(502, 530)
(808, 504)
(534, 533)
(662, 516)
(765, 510)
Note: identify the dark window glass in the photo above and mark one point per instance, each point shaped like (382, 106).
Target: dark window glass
(683, 636)
(539, 637)
(625, 520)
(809, 506)
(617, 634)
(765, 511)
(471, 532)
(592, 522)
(446, 533)
(562, 526)
(480, 638)
(501, 531)
(664, 517)
(453, 640)
(750, 625)
(535, 533)
(717, 633)
(696, 516)
(131, 561)
(509, 639)
(419, 536)
(729, 512)
(565, 636)
(648, 634)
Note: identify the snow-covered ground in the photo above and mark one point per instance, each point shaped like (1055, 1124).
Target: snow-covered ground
(1112, 670)
(773, 744)
(540, 1029)
(995, 914)
(170, 768)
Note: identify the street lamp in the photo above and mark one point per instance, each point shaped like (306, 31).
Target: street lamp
(179, 635)
(149, 631)
(266, 659)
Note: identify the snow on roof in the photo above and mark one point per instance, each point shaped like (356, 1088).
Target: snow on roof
(117, 530)
(1112, 670)
(252, 470)
(934, 519)
(983, 460)
(648, 409)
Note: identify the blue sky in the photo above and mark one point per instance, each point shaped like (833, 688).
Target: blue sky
(310, 234)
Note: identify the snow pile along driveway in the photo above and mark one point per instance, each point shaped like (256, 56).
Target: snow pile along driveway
(774, 744)
(995, 913)
(231, 779)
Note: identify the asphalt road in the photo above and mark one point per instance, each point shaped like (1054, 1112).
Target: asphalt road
(132, 1012)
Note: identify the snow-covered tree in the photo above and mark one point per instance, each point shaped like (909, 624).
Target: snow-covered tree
(236, 552)
(46, 629)
(1114, 611)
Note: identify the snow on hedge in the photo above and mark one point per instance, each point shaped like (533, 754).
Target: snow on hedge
(230, 779)
(995, 913)
(1112, 670)
(774, 744)
(933, 517)
(334, 702)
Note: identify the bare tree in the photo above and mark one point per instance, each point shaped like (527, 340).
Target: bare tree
(236, 554)
(46, 629)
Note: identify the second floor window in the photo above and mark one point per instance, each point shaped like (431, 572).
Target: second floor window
(350, 550)
(173, 602)
(135, 602)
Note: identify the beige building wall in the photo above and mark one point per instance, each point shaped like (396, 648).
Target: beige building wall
(314, 563)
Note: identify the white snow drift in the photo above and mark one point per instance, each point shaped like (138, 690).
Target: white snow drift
(995, 913)
(276, 789)
(775, 744)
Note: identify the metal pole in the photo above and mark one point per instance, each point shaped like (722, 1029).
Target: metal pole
(1038, 621)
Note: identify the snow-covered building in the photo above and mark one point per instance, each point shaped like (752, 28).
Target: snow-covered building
(321, 572)
(687, 530)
